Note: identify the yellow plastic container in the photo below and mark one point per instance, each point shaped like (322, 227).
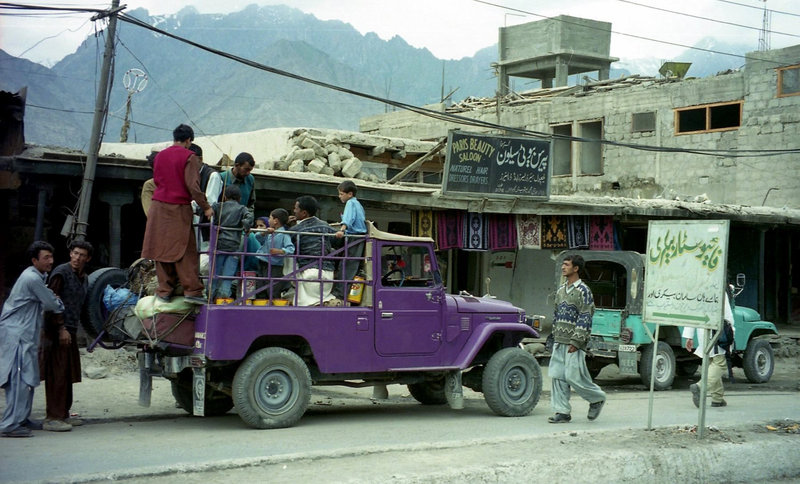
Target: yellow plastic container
(224, 300)
(280, 302)
(356, 291)
(260, 302)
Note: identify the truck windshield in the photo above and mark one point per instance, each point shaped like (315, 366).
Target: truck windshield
(407, 265)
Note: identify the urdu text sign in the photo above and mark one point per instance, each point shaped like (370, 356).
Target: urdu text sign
(685, 269)
(504, 166)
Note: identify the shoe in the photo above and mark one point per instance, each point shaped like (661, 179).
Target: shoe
(195, 299)
(594, 409)
(32, 424)
(335, 302)
(75, 422)
(695, 394)
(56, 426)
(18, 432)
(163, 299)
(719, 404)
(560, 418)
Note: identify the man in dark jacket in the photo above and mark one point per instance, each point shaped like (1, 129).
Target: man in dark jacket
(59, 359)
(311, 291)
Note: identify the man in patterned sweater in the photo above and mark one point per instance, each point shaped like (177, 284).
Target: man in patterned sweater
(572, 326)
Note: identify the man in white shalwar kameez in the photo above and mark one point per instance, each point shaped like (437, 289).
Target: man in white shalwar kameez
(20, 328)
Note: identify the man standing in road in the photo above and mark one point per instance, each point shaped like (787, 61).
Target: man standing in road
(168, 237)
(59, 359)
(716, 364)
(572, 325)
(240, 176)
(20, 327)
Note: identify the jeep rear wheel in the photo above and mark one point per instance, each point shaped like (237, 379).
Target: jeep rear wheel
(430, 392)
(512, 382)
(272, 388)
(216, 403)
(759, 361)
(664, 369)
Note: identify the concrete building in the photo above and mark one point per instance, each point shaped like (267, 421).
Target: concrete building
(669, 141)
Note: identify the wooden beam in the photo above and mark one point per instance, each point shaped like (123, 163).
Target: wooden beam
(419, 161)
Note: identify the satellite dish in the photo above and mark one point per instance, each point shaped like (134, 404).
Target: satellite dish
(674, 69)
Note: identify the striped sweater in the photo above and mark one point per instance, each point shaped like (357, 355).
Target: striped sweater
(574, 308)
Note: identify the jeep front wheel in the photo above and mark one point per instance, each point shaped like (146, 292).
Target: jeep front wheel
(664, 368)
(759, 361)
(272, 388)
(512, 382)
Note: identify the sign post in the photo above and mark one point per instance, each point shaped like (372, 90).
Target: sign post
(685, 284)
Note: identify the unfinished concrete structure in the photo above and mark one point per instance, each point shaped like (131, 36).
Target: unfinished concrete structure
(662, 141)
(552, 49)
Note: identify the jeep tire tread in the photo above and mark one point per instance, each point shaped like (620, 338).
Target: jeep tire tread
(759, 361)
(665, 366)
(272, 388)
(216, 403)
(94, 311)
(512, 382)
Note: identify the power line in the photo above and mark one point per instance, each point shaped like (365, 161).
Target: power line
(640, 37)
(705, 18)
(447, 116)
(759, 8)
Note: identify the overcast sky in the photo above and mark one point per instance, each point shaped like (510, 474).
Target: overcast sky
(450, 29)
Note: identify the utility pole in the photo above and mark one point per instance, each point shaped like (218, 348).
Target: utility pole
(78, 231)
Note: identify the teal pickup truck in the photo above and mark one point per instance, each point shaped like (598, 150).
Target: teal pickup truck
(619, 336)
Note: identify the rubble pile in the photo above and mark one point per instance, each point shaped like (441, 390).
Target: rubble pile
(326, 155)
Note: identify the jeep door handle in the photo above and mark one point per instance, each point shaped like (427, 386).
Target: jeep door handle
(387, 315)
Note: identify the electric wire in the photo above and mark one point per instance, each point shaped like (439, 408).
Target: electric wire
(699, 17)
(448, 116)
(759, 8)
(461, 120)
(640, 37)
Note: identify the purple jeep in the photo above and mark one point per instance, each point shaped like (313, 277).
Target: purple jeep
(263, 359)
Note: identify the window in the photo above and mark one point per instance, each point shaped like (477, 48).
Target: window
(789, 81)
(562, 150)
(591, 151)
(641, 122)
(408, 266)
(711, 117)
(608, 281)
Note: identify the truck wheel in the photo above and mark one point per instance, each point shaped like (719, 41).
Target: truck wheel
(94, 311)
(272, 388)
(665, 366)
(759, 361)
(430, 392)
(216, 402)
(512, 382)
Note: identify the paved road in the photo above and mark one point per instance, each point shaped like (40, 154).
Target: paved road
(347, 423)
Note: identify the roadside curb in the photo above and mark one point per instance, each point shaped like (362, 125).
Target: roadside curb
(550, 458)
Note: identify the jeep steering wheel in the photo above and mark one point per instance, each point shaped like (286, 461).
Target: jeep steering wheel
(396, 283)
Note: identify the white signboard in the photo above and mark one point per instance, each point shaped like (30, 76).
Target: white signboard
(685, 269)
